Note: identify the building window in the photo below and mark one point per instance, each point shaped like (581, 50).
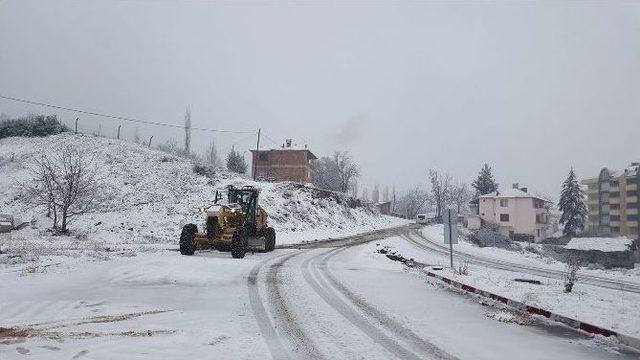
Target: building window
(632, 193)
(633, 229)
(615, 218)
(615, 206)
(615, 229)
(614, 194)
(633, 217)
(538, 204)
(504, 202)
(264, 156)
(538, 232)
(504, 217)
(633, 205)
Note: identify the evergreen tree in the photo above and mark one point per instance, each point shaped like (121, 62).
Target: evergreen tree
(574, 211)
(235, 162)
(485, 184)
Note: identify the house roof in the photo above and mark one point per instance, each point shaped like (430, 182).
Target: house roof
(311, 155)
(512, 193)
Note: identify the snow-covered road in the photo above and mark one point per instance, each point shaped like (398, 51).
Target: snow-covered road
(435, 244)
(322, 303)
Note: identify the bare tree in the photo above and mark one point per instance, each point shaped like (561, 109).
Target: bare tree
(375, 194)
(170, 146)
(347, 170)
(573, 264)
(136, 136)
(187, 131)
(65, 183)
(440, 191)
(412, 203)
(211, 157)
(460, 197)
(325, 174)
(385, 193)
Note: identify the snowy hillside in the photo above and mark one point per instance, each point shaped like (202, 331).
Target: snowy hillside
(150, 195)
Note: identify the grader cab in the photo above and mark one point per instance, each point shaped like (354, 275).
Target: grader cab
(237, 225)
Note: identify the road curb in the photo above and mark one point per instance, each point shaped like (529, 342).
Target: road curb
(520, 306)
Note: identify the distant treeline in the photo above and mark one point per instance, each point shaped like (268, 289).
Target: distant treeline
(31, 126)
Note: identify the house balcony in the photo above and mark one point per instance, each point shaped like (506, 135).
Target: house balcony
(632, 211)
(632, 187)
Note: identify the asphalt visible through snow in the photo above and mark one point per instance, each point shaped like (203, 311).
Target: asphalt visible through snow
(329, 300)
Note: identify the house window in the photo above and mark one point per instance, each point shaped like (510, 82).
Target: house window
(504, 217)
(264, 156)
(504, 202)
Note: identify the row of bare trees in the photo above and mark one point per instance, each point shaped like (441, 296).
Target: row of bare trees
(442, 192)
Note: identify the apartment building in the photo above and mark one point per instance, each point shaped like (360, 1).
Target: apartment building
(612, 202)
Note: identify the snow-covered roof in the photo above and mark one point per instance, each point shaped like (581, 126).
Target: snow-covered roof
(630, 171)
(600, 243)
(513, 193)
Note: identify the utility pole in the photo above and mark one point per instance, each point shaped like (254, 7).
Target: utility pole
(119, 131)
(76, 125)
(450, 237)
(256, 157)
(150, 140)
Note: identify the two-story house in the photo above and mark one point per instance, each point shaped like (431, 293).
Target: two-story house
(518, 213)
(289, 163)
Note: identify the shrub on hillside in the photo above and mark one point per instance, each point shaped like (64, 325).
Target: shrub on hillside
(31, 126)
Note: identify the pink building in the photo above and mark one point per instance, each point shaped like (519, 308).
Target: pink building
(518, 214)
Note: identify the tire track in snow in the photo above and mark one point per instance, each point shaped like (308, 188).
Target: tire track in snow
(285, 319)
(321, 288)
(383, 319)
(267, 329)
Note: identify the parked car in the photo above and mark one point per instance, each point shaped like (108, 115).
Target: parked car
(6, 223)
(422, 219)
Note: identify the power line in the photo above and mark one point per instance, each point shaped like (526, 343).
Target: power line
(31, 102)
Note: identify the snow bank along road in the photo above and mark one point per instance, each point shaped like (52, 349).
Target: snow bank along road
(431, 245)
(337, 300)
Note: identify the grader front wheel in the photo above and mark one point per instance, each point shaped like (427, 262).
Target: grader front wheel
(187, 247)
(270, 238)
(238, 245)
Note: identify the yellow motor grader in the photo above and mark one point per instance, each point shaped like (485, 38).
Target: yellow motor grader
(236, 226)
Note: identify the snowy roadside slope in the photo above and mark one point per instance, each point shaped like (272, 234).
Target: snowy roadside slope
(152, 194)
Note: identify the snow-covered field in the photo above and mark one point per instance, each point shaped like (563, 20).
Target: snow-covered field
(527, 258)
(609, 308)
(149, 195)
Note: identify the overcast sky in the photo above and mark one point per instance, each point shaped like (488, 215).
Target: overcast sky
(532, 88)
